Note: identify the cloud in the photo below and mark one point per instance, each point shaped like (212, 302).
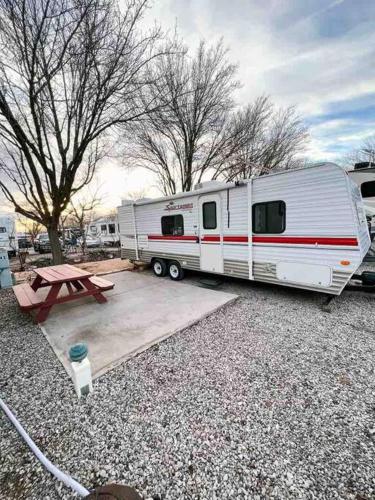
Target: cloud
(314, 54)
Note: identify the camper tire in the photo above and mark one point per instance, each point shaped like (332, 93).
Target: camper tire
(159, 267)
(175, 271)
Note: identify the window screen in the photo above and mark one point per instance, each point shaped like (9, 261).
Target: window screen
(368, 189)
(172, 225)
(111, 228)
(269, 217)
(209, 215)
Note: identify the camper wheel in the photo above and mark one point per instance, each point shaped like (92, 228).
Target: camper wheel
(175, 271)
(159, 267)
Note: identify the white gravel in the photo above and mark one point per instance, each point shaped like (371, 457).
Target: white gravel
(268, 398)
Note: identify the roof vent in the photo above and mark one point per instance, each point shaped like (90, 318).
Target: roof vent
(125, 201)
(208, 185)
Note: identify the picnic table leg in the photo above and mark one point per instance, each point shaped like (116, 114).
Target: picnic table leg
(36, 283)
(49, 302)
(95, 291)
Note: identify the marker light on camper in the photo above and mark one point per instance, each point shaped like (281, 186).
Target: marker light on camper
(345, 262)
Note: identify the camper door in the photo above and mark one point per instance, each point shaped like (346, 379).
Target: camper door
(211, 250)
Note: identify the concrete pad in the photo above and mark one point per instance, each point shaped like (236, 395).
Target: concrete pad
(141, 311)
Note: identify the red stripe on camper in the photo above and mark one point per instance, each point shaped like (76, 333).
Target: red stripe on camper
(210, 238)
(297, 240)
(287, 240)
(173, 238)
(236, 239)
(294, 240)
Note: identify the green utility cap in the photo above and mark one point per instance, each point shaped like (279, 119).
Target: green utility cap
(78, 352)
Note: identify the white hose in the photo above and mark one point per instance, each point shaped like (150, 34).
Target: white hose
(47, 464)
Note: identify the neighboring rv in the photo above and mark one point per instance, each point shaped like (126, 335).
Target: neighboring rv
(364, 176)
(304, 228)
(106, 229)
(8, 235)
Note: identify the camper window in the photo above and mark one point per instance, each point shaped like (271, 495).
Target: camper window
(209, 215)
(3, 229)
(111, 228)
(103, 228)
(172, 225)
(368, 189)
(269, 217)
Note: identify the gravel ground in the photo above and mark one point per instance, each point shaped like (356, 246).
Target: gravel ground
(268, 398)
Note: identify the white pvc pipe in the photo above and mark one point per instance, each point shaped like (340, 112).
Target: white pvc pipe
(61, 476)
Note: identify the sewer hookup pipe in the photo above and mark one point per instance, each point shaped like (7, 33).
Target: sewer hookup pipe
(61, 476)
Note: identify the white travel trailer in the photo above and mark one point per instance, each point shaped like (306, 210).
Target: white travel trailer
(8, 236)
(105, 229)
(281, 228)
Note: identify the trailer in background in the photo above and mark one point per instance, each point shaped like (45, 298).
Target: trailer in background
(363, 175)
(106, 229)
(8, 235)
(303, 228)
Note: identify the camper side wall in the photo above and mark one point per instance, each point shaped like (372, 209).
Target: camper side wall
(128, 240)
(234, 207)
(321, 232)
(169, 230)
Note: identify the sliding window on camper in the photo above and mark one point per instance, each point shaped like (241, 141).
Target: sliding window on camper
(172, 225)
(269, 217)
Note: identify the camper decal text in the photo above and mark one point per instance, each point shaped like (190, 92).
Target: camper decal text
(171, 206)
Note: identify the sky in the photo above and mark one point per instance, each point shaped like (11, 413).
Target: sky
(318, 55)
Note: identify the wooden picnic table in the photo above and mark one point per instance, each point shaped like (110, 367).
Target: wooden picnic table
(79, 283)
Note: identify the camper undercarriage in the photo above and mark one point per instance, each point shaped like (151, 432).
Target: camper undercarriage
(304, 228)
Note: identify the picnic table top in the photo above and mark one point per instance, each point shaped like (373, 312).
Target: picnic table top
(62, 273)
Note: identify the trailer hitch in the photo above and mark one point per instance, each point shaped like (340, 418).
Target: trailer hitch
(367, 280)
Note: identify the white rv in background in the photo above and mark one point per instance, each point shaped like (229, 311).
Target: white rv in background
(363, 175)
(106, 229)
(304, 228)
(8, 235)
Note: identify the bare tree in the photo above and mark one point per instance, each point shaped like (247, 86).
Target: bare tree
(268, 140)
(136, 195)
(81, 212)
(187, 136)
(31, 228)
(70, 71)
(365, 153)
(367, 150)
(34, 230)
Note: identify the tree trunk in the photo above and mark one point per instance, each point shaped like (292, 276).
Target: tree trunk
(57, 255)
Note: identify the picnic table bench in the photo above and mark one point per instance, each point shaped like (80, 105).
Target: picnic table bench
(78, 282)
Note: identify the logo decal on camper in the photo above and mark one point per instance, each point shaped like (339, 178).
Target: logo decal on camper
(171, 206)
